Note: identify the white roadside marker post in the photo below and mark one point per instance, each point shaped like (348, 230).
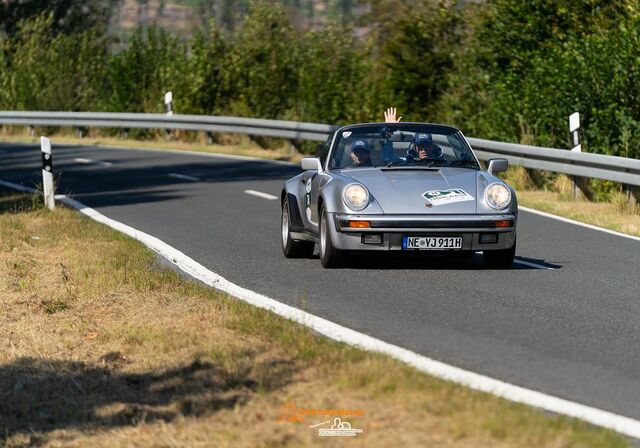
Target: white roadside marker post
(47, 173)
(574, 130)
(168, 104)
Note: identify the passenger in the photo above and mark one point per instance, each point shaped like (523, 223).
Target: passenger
(360, 154)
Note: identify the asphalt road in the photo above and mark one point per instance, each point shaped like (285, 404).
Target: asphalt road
(572, 331)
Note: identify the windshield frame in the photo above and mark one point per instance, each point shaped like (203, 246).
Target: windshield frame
(432, 128)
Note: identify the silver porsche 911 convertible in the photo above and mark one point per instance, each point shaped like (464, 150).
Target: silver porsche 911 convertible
(399, 187)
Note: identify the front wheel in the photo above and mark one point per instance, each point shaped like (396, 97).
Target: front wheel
(290, 247)
(330, 257)
(500, 258)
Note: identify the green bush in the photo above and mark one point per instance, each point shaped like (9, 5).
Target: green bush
(43, 71)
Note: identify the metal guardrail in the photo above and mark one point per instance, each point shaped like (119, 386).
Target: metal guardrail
(253, 126)
(617, 169)
(597, 166)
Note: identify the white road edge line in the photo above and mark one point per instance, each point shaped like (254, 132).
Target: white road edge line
(577, 223)
(184, 177)
(92, 162)
(599, 417)
(260, 194)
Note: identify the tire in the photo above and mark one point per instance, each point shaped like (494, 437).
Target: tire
(292, 248)
(500, 259)
(330, 257)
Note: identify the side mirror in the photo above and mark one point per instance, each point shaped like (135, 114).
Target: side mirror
(497, 166)
(311, 164)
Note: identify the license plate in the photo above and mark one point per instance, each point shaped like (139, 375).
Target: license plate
(432, 243)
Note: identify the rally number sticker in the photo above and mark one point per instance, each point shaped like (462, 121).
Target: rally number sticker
(449, 196)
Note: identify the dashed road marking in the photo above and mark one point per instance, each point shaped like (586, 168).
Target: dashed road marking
(184, 177)
(92, 162)
(262, 195)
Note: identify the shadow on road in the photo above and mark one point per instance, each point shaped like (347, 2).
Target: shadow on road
(131, 180)
(414, 260)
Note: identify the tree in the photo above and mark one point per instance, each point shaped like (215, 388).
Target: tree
(415, 41)
(264, 62)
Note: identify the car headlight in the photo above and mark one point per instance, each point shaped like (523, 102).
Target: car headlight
(355, 196)
(498, 196)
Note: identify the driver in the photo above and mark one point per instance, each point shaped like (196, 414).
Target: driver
(422, 148)
(360, 153)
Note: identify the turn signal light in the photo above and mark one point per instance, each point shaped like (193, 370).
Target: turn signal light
(359, 224)
(503, 223)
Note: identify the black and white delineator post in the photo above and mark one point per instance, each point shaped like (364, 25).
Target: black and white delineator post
(574, 131)
(168, 102)
(47, 173)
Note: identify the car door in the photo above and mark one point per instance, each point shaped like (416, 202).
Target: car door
(312, 184)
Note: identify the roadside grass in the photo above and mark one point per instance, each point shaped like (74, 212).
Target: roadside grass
(616, 213)
(104, 346)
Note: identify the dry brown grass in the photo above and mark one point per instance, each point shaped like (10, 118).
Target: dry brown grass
(104, 347)
(618, 213)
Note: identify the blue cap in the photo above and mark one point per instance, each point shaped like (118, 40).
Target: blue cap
(422, 138)
(360, 145)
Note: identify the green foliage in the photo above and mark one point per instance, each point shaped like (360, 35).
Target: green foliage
(263, 62)
(42, 71)
(526, 66)
(153, 63)
(500, 69)
(332, 76)
(416, 40)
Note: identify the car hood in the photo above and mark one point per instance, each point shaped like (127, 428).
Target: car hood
(401, 190)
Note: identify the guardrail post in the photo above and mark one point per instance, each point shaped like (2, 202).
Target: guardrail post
(125, 133)
(291, 147)
(633, 194)
(47, 173)
(209, 138)
(80, 132)
(32, 131)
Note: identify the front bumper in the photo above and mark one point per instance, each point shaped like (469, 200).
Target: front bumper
(393, 228)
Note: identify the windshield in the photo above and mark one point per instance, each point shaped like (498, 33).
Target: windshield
(398, 144)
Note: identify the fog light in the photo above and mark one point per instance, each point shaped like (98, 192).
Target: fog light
(488, 238)
(372, 238)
